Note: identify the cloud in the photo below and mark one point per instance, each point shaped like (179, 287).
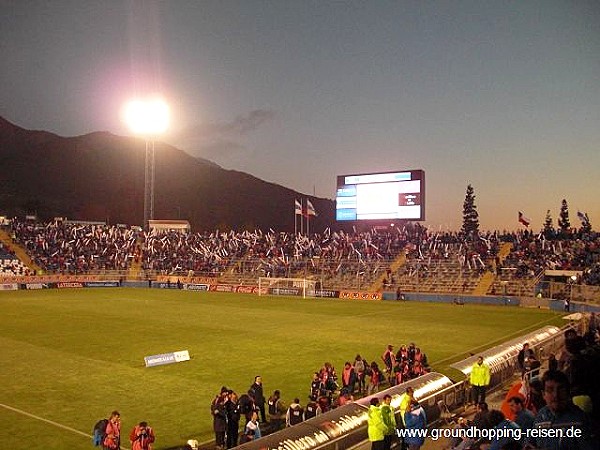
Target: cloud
(211, 132)
(220, 141)
(242, 125)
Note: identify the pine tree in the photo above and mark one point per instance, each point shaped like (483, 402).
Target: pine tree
(586, 227)
(470, 226)
(548, 226)
(563, 218)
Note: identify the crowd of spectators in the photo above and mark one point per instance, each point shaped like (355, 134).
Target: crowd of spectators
(168, 252)
(435, 249)
(70, 248)
(10, 265)
(328, 253)
(64, 247)
(75, 248)
(533, 253)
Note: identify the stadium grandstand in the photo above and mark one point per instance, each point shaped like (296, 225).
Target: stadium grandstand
(408, 259)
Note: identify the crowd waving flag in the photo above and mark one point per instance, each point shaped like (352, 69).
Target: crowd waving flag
(524, 220)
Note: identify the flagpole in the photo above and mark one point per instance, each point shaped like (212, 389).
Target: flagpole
(301, 215)
(307, 219)
(295, 220)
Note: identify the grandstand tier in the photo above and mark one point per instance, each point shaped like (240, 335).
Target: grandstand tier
(408, 260)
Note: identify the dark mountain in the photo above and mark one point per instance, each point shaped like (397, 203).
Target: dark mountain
(100, 176)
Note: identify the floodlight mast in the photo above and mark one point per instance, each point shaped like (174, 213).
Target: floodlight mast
(149, 185)
(147, 119)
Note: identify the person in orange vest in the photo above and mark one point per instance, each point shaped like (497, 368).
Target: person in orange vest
(142, 437)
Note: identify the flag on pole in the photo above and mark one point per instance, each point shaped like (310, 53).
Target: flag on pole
(583, 217)
(310, 209)
(524, 220)
(297, 208)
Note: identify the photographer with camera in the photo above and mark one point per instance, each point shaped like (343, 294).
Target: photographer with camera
(142, 437)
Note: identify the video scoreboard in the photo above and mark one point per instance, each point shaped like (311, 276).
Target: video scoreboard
(381, 196)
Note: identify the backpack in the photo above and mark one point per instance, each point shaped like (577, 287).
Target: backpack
(296, 415)
(311, 410)
(99, 432)
(273, 405)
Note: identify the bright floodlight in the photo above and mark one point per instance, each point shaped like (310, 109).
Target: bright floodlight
(147, 117)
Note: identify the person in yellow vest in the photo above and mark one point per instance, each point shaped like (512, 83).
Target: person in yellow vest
(389, 420)
(405, 400)
(376, 427)
(479, 379)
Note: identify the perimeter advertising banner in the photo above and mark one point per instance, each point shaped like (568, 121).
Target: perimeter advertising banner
(169, 285)
(327, 293)
(101, 284)
(247, 289)
(35, 286)
(69, 284)
(222, 288)
(9, 287)
(292, 291)
(50, 279)
(195, 287)
(360, 295)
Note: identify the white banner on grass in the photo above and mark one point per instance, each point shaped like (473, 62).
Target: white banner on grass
(167, 358)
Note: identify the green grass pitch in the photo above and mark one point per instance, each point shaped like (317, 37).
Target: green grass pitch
(72, 356)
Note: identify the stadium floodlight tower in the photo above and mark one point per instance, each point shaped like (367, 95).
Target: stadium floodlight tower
(147, 118)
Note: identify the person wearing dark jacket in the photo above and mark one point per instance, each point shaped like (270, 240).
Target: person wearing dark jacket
(312, 409)
(256, 390)
(524, 358)
(295, 413)
(219, 414)
(247, 406)
(348, 377)
(232, 411)
(276, 411)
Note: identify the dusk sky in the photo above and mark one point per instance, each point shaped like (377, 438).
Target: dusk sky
(504, 95)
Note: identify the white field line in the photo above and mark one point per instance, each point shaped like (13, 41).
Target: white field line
(48, 421)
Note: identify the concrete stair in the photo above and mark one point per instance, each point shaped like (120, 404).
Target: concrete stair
(488, 278)
(504, 250)
(135, 272)
(19, 252)
(394, 266)
(484, 284)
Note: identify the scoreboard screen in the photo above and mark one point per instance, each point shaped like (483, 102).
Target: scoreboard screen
(381, 196)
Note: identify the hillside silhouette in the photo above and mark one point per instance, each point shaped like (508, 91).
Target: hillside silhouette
(100, 176)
